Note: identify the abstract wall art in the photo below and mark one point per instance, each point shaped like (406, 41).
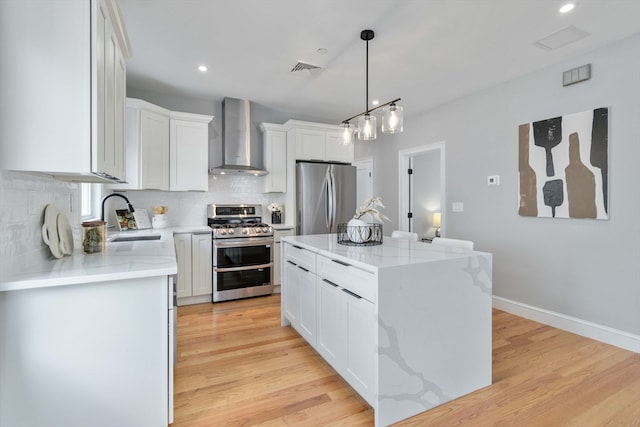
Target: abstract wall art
(563, 166)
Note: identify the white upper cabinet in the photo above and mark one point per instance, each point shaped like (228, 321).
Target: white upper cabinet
(147, 146)
(319, 142)
(274, 149)
(189, 152)
(63, 74)
(166, 150)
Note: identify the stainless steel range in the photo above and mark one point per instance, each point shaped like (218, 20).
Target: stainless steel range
(242, 252)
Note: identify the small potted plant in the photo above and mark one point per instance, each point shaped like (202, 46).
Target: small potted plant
(358, 230)
(276, 213)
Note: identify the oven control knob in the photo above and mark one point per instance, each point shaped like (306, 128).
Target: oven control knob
(265, 230)
(257, 230)
(223, 232)
(232, 231)
(245, 231)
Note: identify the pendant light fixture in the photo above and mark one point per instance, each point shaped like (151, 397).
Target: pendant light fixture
(392, 118)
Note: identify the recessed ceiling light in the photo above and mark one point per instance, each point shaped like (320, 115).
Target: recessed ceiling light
(375, 102)
(202, 68)
(322, 50)
(567, 8)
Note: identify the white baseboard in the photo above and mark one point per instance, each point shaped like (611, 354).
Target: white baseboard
(587, 329)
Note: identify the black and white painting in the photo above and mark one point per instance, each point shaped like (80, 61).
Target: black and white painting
(563, 166)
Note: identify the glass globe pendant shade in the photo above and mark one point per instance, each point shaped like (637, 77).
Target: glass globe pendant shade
(367, 127)
(392, 119)
(347, 133)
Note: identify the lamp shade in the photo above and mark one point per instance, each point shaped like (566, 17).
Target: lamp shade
(436, 219)
(347, 133)
(367, 127)
(392, 118)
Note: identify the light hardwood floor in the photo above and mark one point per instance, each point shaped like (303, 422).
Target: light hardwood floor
(238, 367)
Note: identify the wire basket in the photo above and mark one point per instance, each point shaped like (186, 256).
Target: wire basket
(360, 235)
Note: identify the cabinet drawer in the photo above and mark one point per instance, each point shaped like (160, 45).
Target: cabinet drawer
(351, 278)
(300, 256)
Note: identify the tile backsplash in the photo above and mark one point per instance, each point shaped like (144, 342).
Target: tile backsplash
(23, 198)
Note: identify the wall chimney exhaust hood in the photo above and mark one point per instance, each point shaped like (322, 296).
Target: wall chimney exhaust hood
(236, 140)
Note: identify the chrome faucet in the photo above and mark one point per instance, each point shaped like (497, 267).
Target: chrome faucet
(129, 205)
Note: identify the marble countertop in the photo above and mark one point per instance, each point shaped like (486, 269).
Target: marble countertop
(391, 253)
(120, 260)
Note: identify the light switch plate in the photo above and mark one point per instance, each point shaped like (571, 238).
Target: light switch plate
(457, 207)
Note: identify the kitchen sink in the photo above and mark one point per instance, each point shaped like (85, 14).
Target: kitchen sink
(136, 238)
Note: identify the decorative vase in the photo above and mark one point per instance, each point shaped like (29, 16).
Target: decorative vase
(159, 221)
(276, 217)
(358, 231)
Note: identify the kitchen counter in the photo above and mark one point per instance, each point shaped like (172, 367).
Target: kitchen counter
(392, 253)
(120, 260)
(406, 324)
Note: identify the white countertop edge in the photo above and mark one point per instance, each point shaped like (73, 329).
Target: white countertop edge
(120, 261)
(395, 252)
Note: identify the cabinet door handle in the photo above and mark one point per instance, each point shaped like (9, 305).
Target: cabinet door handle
(341, 263)
(351, 293)
(298, 247)
(303, 269)
(291, 262)
(330, 282)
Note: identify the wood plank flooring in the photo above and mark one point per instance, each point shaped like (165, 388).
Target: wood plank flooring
(238, 367)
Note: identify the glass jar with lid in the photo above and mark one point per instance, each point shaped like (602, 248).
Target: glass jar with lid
(94, 236)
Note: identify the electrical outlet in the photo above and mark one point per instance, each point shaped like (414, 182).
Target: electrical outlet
(493, 180)
(457, 207)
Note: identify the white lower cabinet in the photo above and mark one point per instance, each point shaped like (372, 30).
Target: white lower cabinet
(277, 253)
(299, 300)
(340, 324)
(193, 254)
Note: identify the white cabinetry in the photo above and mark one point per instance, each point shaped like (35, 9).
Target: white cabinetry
(346, 323)
(166, 150)
(299, 300)
(147, 137)
(317, 141)
(320, 302)
(78, 103)
(277, 253)
(189, 152)
(91, 354)
(274, 148)
(193, 253)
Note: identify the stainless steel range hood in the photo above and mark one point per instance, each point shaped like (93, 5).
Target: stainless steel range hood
(236, 140)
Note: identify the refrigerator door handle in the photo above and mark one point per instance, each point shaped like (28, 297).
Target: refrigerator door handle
(334, 199)
(329, 208)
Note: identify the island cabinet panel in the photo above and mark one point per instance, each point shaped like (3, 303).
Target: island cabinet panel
(299, 298)
(406, 324)
(332, 335)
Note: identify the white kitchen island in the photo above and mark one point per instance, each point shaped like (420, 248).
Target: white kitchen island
(406, 324)
(85, 340)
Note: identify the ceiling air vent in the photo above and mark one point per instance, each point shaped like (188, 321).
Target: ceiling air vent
(304, 66)
(561, 38)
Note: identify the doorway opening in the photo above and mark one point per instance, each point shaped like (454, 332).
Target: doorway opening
(422, 190)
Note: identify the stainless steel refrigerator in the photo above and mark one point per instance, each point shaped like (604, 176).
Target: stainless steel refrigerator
(325, 196)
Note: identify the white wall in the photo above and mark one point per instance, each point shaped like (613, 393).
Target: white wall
(587, 269)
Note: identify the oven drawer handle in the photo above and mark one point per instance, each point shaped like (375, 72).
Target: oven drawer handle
(330, 282)
(248, 267)
(303, 269)
(291, 262)
(241, 243)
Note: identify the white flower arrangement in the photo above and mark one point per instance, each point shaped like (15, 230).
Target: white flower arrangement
(274, 207)
(369, 207)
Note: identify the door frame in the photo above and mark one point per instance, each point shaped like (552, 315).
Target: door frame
(404, 159)
(365, 163)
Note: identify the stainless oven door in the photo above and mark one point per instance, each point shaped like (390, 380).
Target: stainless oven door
(242, 268)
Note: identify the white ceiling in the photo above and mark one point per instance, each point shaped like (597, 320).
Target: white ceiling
(427, 52)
